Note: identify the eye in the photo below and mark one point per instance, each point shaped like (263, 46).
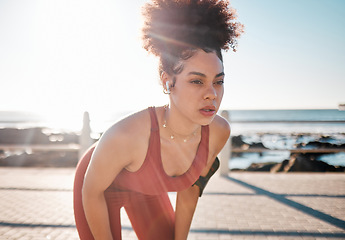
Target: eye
(196, 81)
(219, 82)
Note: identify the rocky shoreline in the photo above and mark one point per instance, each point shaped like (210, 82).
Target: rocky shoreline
(37, 136)
(297, 162)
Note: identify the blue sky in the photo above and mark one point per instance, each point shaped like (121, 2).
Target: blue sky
(71, 56)
(291, 56)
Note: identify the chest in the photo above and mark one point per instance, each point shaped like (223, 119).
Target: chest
(177, 157)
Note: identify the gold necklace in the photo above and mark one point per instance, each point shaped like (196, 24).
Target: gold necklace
(185, 138)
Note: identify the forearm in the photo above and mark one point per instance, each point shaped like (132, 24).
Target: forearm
(185, 207)
(96, 213)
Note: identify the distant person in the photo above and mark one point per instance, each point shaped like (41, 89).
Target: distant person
(171, 148)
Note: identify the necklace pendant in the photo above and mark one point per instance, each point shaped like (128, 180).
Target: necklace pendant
(172, 137)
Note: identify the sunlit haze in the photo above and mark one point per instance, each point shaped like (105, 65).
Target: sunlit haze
(67, 57)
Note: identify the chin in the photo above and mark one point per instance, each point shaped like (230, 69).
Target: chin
(206, 121)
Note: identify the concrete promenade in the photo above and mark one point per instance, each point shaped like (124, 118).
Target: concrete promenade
(36, 203)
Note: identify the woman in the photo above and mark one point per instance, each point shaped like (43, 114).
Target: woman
(171, 148)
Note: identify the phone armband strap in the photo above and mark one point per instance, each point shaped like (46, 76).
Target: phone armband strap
(202, 181)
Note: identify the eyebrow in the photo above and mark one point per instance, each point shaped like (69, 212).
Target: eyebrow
(203, 75)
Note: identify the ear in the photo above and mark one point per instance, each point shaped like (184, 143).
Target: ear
(164, 78)
(166, 82)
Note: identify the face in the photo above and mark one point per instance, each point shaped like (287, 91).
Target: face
(198, 90)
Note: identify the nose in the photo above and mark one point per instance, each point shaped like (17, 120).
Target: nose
(211, 93)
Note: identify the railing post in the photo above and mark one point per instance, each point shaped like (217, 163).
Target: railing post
(225, 155)
(85, 140)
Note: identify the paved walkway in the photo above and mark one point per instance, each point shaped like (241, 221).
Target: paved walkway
(37, 204)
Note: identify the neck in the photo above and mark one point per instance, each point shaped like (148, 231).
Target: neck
(178, 125)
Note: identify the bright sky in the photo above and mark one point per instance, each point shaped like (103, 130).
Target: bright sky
(70, 56)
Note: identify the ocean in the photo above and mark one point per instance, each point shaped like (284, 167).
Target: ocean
(325, 121)
(275, 129)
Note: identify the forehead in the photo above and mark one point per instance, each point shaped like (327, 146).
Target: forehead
(203, 62)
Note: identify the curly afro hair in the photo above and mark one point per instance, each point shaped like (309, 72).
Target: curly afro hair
(173, 29)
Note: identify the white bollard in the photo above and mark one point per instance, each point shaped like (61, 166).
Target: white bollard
(225, 155)
(85, 140)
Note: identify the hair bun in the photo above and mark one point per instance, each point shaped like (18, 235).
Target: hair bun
(173, 25)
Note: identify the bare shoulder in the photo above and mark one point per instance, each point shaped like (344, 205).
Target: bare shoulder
(219, 133)
(220, 127)
(130, 131)
(126, 140)
(133, 124)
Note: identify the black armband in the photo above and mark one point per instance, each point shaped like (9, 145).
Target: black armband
(202, 181)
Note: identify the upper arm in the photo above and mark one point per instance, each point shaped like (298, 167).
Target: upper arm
(219, 134)
(106, 162)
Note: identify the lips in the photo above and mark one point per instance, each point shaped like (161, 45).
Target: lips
(208, 110)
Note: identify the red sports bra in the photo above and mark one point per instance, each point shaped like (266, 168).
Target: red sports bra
(151, 178)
